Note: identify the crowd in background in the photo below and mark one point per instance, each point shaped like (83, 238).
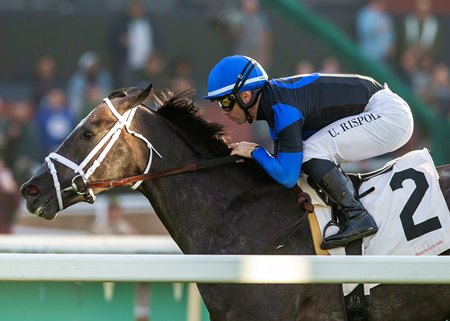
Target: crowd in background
(31, 129)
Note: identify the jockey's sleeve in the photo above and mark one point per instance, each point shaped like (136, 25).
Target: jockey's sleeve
(285, 167)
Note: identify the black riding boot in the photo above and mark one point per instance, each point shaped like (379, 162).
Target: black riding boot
(338, 187)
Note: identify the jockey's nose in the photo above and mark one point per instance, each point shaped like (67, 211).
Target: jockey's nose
(29, 191)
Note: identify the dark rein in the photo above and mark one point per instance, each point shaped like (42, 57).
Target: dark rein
(303, 199)
(168, 172)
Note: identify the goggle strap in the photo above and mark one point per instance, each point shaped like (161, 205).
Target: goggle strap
(243, 76)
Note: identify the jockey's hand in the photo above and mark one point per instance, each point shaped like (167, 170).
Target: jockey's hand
(243, 149)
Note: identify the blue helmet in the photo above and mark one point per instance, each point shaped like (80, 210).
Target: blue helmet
(229, 73)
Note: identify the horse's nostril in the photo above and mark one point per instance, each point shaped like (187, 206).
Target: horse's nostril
(31, 190)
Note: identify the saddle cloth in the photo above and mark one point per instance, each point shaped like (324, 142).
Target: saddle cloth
(407, 205)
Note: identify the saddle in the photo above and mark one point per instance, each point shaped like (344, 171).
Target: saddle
(305, 202)
(358, 178)
(357, 305)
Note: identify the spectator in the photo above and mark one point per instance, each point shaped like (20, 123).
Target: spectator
(376, 32)
(19, 145)
(438, 93)
(183, 66)
(44, 78)
(54, 120)
(421, 77)
(131, 43)
(155, 72)
(304, 67)
(407, 64)
(180, 84)
(253, 31)
(330, 65)
(416, 67)
(421, 29)
(94, 95)
(9, 198)
(3, 112)
(89, 77)
(182, 78)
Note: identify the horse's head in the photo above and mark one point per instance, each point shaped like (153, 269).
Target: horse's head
(87, 154)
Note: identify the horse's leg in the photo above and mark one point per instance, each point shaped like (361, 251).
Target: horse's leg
(237, 302)
(411, 302)
(323, 304)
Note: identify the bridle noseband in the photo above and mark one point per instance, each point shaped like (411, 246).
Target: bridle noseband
(106, 143)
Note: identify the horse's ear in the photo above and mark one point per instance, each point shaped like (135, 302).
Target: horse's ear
(142, 96)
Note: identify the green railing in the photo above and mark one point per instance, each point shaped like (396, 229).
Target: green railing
(346, 51)
(94, 301)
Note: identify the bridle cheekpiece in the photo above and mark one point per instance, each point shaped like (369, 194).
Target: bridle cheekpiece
(104, 145)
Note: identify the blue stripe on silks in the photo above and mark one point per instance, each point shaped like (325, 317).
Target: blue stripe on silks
(300, 83)
(285, 115)
(284, 169)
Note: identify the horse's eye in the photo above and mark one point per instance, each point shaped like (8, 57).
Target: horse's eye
(88, 135)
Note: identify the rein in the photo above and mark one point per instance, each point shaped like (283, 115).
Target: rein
(168, 172)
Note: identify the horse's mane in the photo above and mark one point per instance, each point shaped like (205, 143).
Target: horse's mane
(207, 138)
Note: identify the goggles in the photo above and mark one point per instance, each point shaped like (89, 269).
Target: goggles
(227, 102)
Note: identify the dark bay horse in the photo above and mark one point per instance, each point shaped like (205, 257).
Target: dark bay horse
(231, 209)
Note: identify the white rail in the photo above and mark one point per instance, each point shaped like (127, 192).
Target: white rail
(224, 268)
(88, 244)
(131, 203)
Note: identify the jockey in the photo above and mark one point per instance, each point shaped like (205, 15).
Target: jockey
(318, 120)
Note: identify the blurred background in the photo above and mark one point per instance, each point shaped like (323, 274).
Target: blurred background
(59, 58)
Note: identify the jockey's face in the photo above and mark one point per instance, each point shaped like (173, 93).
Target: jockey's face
(236, 114)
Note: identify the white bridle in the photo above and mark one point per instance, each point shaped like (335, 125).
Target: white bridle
(106, 143)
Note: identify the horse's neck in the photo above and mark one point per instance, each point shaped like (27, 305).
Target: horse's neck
(190, 206)
(216, 210)
(211, 211)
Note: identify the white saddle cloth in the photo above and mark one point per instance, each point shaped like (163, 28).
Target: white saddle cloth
(407, 205)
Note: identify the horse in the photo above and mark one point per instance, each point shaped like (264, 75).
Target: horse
(229, 209)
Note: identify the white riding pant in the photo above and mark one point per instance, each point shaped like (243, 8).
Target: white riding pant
(385, 125)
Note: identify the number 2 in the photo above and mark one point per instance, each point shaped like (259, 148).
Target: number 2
(412, 230)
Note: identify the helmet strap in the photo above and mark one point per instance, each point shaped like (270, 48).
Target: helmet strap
(242, 78)
(245, 107)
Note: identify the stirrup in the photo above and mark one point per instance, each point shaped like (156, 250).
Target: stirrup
(327, 226)
(343, 242)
